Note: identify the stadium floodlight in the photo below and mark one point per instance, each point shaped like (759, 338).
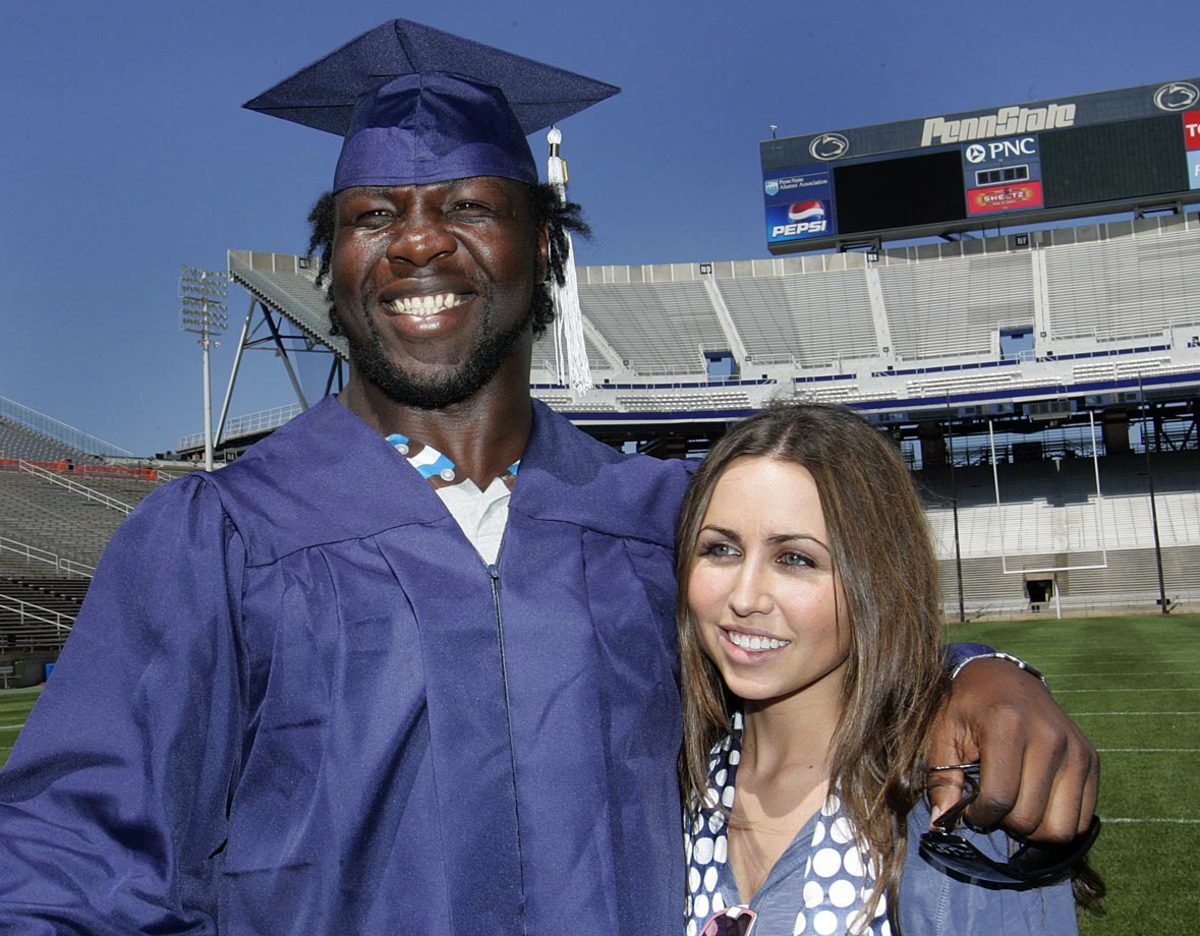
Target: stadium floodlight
(202, 312)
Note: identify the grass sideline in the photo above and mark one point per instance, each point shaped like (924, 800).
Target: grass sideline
(1133, 684)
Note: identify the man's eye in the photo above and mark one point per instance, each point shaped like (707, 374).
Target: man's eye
(468, 209)
(374, 217)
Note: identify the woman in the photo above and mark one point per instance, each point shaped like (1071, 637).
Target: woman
(810, 635)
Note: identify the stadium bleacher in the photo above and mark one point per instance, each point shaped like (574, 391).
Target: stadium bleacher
(910, 334)
(17, 441)
(59, 506)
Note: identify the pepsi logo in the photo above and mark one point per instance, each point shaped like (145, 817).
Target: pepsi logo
(806, 211)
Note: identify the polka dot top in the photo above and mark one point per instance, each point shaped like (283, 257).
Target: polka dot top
(818, 885)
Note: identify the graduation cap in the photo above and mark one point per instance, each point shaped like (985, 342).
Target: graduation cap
(419, 105)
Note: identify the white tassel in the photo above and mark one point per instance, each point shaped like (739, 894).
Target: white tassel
(570, 351)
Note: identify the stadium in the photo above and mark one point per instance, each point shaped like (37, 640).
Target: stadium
(1042, 379)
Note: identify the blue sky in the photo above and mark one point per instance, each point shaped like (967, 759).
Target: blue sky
(125, 152)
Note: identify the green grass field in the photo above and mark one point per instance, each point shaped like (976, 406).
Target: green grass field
(1133, 684)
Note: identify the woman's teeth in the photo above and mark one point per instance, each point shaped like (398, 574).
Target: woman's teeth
(746, 642)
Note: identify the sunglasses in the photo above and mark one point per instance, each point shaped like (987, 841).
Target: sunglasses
(1029, 864)
(733, 921)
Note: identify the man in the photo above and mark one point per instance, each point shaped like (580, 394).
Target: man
(409, 664)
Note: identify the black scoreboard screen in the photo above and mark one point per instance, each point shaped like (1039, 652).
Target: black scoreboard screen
(1043, 161)
(893, 193)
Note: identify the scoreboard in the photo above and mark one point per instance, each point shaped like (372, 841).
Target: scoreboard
(1041, 161)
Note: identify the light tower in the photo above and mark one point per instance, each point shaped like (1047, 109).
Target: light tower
(202, 312)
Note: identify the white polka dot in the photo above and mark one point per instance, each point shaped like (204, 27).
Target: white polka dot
(842, 893)
(711, 798)
(885, 929)
(693, 879)
(832, 805)
(704, 850)
(719, 779)
(701, 906)
(718, 901)
(814, 894)
(691, 929)
(882, 906)
(710, 878)
(841, 831)
(735, 757)
(818, 833)
(874, 865)
(854, 862)
(854, 920)
(715, 821)
(727, 797)
(801, 923)
(825, 923)
(827, 862)
(721, 850)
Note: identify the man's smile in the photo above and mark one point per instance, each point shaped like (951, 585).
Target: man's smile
(421, 306)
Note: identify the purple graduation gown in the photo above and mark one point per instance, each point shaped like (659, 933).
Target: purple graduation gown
(297, 701)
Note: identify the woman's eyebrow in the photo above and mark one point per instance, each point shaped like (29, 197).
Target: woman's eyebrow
(779, 538)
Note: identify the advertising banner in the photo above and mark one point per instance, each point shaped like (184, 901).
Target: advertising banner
(799, 204)
(1191, 130)
(1002, 175)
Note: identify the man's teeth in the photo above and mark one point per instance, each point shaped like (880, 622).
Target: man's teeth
(425, 305)
(746, 642)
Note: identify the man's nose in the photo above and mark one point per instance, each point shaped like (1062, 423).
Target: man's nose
(419, 238)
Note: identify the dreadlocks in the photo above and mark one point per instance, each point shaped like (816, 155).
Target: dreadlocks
(556, 216)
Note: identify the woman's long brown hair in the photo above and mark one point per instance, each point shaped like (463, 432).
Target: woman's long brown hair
(894, 677)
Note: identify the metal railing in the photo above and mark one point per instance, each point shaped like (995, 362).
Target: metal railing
(76, 487)
(57, 430)
(35, 554)
(249, 424)
(27, 613)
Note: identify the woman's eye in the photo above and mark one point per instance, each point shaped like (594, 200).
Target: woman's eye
(717, 549)
(796, 559)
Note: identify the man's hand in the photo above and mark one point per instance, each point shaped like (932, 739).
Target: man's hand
(1039, 774)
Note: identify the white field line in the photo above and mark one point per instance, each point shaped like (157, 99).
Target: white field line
(1118, 673)
(1090, 658)
(22, 725)
(1065, 691)
(1107, 820)
(1081, 714)
(1148, 750)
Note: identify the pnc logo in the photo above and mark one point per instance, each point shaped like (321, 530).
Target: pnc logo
(1176, 96)
(829, 146)
(1001, 149)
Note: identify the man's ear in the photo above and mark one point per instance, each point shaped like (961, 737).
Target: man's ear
(543, 253)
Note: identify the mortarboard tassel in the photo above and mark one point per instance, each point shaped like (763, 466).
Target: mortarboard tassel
(570, 351)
